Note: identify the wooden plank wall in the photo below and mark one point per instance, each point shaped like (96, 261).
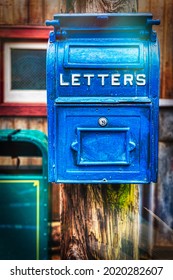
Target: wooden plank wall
(29, 12)
(163, 9)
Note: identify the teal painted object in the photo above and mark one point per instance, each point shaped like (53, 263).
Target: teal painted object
(23, 197)
(103, 98)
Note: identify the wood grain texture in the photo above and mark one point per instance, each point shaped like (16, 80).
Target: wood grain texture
(13, 12)
(6, 12)
(101, 6)
(167, 88)
(50, 8)
(93, 225)
(144, 6)
(24, 123)
(118, 6)
(157, 8)
(20, 12)
(36, 12)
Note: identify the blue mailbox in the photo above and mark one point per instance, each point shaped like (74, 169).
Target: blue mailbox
(103, 96)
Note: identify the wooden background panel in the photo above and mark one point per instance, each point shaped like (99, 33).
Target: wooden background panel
(51, 7)
(163, 9)
(157, 8)
(36, 12)
(24, 123)
(167, 87)
(13, 11)
(143, 6)
(6, 123)
(6, 12)
(20, 12)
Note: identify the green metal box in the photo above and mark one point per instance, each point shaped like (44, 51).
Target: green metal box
(23, 197)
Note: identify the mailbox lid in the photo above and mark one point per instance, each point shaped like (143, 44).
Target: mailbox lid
(120, 151)
(91, 24)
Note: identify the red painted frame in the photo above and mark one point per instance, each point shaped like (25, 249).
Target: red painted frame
(28, 33)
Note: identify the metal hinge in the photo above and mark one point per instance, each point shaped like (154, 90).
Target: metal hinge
(58, 33)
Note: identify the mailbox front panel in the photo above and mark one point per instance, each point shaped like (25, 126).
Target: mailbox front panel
(103, 144)
(103, 98)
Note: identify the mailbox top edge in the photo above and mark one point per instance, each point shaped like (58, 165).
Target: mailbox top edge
(79, 18)
(103, 20)
(92, 15)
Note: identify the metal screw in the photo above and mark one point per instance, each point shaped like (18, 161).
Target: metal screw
(103, 121)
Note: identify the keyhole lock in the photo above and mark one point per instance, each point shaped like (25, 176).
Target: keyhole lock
(103, 121)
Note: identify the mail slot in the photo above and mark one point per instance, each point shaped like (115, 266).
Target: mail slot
(103, 93)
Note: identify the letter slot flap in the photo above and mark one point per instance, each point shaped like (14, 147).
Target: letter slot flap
(103, 146)
(108, 55)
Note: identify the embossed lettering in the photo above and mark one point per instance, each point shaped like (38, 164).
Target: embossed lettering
(116, 79)
(75, 79)
(88, 76)
(62, 83)
(103, 76)
(141, 80)
(128, 79)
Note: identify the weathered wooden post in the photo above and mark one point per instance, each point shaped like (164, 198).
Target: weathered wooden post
(99, 221)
